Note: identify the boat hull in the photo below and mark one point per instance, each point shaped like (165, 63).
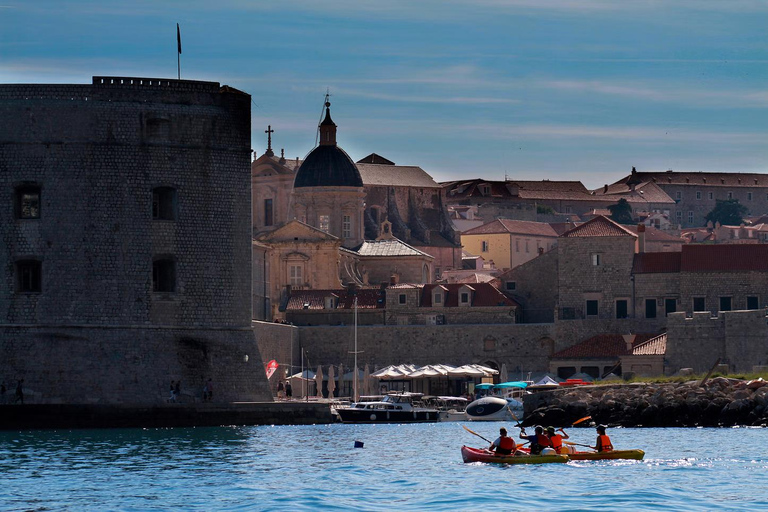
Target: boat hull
(379, 416)
(489, 408)
(612, 455)
(478, 455)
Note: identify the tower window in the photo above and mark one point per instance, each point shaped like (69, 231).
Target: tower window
(164, 275)
(164, 203)
(29, 278)
(28, 202)
(484, 247)
(346, 226)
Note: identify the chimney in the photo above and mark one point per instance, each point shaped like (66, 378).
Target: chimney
(628, 340)
(641, 238)
(605, 188)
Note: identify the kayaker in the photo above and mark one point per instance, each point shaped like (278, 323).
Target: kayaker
(557, 439)
(503, 445)
(539, 440)
(603, 441)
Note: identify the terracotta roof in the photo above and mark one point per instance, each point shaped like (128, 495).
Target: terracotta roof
(388, 248)
(405, 286)
(484, 295)
(544, 189)
(397, 175)
(656, 235)
(601, 346)
(522, 227)
(715, 179)
(562, 227)
(599, 226)
(653, 347)
(656, 263)
(367, 298)
(373, 158)
(725, 258)
(645, 191)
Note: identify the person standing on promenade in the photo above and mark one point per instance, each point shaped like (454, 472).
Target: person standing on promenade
(172, 398)
(288, 390)
(280, 390)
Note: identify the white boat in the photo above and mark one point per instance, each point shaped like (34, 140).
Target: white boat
(450, 408)
(493, 408)
(394, 408)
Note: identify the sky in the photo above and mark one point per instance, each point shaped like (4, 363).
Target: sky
(528, 89)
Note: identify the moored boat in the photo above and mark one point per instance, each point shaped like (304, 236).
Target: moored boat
(493, 408)
(611, 455)
(480, 455)
(398, 408)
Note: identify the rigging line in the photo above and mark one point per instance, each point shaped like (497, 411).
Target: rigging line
(320, 120)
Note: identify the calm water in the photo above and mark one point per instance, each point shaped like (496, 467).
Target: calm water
(401, 467)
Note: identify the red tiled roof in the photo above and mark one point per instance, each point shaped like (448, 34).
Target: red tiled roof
(656, 263)
(485, 295)
(601, 346)
(367, 298)
(717, 179)
(724, 258)
(523, 227)
(599, 226)
(656, 235)
(653, 347)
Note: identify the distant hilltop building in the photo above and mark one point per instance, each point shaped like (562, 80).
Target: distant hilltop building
(126, 260)
(326, 222)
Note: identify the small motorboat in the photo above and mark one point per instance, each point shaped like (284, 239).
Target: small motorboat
(490, 408)
(611, 455)
(480, 455)
(395, 408)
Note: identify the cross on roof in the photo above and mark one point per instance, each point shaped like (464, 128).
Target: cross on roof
(269, 131)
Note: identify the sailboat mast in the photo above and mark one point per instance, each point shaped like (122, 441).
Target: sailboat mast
(355, 377)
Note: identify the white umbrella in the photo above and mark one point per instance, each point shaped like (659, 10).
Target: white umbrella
(503, 377)
(367, 381)
(472, 370)
(331, 382)
(393, 372)
(341, 379)
(319, 381)
(431, 370)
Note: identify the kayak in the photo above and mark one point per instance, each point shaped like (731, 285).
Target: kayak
(615, 454)
(480, 455)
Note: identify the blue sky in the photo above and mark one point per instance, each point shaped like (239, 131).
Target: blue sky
(534, 89)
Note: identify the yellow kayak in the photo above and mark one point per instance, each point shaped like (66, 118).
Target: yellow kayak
(611, 455)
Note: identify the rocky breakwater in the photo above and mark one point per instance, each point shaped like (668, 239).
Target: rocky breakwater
(720, 402)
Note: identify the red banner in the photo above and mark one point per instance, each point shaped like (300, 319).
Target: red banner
(271, 367)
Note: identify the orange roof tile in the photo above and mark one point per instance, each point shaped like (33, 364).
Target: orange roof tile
(601, 346)
(522, 227)
(599, 226)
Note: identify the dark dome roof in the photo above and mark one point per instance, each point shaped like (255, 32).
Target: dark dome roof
(328, 166)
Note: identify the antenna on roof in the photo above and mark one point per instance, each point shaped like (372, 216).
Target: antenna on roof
(506, 177)
(326, 102)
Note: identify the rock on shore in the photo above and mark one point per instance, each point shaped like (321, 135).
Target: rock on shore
(721, 402)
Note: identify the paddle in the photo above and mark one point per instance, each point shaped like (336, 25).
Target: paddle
(475, 433)
(577, 444)
(585, 418)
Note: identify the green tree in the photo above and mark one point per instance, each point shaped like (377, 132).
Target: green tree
(621, 212)
(544, 209)
(729, 212)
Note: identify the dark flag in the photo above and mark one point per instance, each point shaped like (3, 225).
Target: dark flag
(178, 37)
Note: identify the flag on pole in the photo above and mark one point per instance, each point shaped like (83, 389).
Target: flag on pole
(178, 37)
(271, 367)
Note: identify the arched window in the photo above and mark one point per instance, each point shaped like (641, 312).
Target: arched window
(425, 273)
(164, 203)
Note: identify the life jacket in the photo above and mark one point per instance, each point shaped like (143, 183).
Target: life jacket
(605, 443)
(543, 441)
(557, 442)
(506, 446)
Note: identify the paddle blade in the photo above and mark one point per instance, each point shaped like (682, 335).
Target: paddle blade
(585, 418)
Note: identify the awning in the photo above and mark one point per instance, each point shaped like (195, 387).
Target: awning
(505, 385)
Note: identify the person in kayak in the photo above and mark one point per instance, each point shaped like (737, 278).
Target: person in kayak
(603, 441)
(503, 445)
(557, 439)
(539, 440)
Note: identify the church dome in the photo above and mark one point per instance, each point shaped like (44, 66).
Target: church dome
(328, 165)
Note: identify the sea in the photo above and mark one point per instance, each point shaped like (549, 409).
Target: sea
(399, 467)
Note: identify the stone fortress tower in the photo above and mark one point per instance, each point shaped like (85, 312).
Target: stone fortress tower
(126, 241)
(328, 190)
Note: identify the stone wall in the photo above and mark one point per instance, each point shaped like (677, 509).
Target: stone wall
(712, 286)
(130, 364)
(739, 338)
(534, 287)
(282, 343)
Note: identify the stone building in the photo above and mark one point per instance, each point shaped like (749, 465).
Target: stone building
(127, 254)
(538, 200)
(509, 243)
(695, 193)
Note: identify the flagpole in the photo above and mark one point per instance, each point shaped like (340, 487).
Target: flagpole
(178, 48)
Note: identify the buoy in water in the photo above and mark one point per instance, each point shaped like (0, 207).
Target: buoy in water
(358, 444)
